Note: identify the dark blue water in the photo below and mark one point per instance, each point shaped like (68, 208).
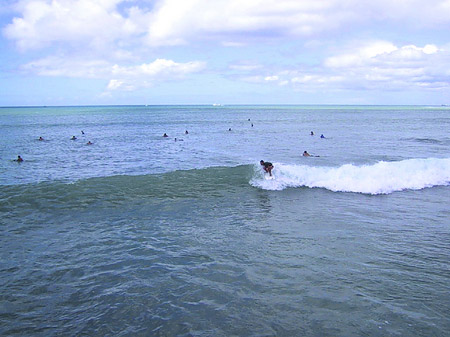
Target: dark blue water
(140, 235)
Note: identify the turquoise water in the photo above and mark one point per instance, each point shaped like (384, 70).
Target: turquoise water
(140, 235)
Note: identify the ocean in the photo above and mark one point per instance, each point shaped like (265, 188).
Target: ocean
(144, 235)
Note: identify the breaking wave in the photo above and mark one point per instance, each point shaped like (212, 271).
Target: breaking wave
(380, 178)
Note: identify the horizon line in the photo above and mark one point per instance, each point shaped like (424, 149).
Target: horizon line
(213, 105)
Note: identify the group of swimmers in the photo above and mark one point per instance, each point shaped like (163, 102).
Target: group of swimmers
(305, 153)
(321, 136)
(165, 135)
(267, 165)
(41, 139)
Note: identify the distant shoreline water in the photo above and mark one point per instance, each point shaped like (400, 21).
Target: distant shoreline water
(230, 105)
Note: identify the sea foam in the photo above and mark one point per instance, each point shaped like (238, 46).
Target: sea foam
(380, 178)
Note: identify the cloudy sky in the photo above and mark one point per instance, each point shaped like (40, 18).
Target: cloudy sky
(80, 52)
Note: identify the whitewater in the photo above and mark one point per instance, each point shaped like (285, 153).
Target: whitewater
(380, 178)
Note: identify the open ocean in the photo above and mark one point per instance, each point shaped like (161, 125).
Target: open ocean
(141, 235)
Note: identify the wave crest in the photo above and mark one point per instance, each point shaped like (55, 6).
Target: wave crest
(380, 178)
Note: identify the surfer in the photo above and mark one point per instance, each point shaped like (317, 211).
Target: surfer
(312, 133)
(89, 143)
(41, 139)
(306, 154)
(165, 135)
(19, 159)
(73, 138)
(267, 166)
(322, 136)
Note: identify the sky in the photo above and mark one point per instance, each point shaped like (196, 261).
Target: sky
(99, 52)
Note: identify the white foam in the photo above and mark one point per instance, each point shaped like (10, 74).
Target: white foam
(380, 178)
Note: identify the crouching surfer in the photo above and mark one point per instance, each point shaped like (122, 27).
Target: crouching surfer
(268, 167)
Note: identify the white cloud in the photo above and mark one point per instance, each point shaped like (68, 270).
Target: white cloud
(361, 55)
(376, 65)
(394, 66)
(232, 44)
(176, 21)
(113, 40)
(120, 77)
(181, 21)
(271, 78)
(160, 67)
(63, 66)
(93, 23)
(119, 85)
(96, 23)
(145, 75)
(245, 66)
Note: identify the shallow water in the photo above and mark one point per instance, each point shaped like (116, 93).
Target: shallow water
(138, 235)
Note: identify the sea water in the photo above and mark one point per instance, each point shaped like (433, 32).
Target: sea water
(144, 235)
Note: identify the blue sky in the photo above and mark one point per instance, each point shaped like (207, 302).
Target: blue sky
(81, 52)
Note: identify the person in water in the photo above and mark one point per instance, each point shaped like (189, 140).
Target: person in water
(268, 167)
(312, 133)
(306, 154)
(73, 138)
(89, 143)
(165, 135)
(40, 138)
(19, 159)
(322, 136)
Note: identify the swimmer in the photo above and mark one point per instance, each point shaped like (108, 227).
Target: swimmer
(165, 135)
(19, 159)
(40, 138)
(186, 132)
(268, 167)
(89, 143)
(306, 154)
(322, 136)
(312, 133)
(73, 138)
